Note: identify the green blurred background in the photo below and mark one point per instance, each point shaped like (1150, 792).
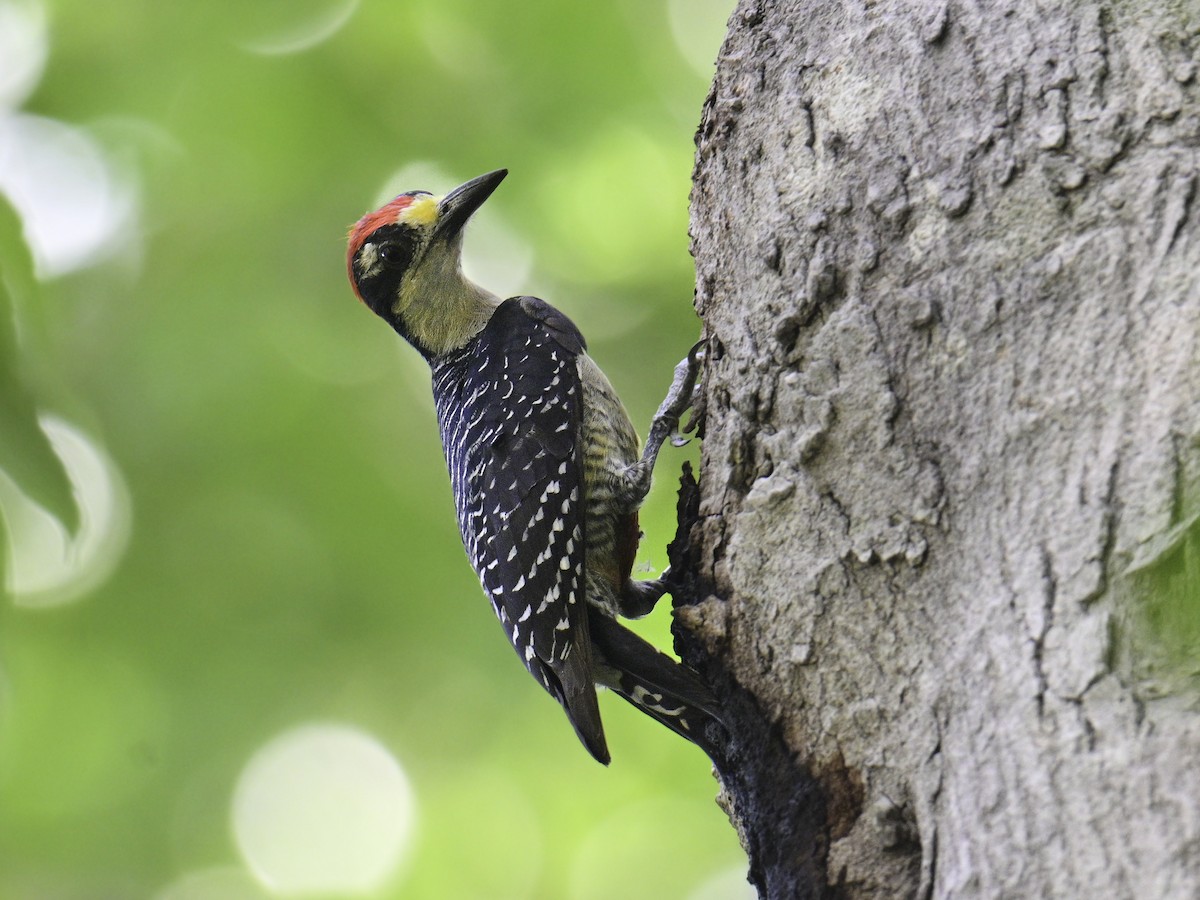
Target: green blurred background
(261, 666)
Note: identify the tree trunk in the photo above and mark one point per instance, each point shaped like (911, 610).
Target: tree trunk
(943, 569)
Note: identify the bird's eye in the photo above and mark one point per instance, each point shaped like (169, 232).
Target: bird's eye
(395, 256)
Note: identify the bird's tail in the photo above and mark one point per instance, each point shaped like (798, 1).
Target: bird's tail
(584, 713)
(656, 684)
(571, 681)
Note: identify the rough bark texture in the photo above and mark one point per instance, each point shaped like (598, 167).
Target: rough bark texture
(947, 261)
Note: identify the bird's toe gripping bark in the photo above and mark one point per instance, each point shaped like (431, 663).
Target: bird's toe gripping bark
(679, 399)
(683, 395)
(638, 598)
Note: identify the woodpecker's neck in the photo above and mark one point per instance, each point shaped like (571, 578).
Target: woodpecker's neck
(440, 310)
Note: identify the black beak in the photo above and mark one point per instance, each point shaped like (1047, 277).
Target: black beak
(460, 204)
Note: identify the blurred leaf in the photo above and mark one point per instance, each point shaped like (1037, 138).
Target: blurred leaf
(25, 451)
(1172, 583)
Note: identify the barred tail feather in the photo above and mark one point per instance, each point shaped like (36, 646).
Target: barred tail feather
(656, 684)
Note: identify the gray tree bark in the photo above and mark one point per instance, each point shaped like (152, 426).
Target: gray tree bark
(943, 553)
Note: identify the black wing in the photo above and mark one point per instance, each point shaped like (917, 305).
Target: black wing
(510, 407)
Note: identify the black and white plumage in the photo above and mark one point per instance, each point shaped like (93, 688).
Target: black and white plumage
(509, 404)
(543, 463)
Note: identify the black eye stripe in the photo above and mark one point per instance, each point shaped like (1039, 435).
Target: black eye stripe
(395, 244)
(392, 234)
(396, 255)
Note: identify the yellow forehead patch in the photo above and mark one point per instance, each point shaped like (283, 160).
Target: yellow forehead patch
(422, 211)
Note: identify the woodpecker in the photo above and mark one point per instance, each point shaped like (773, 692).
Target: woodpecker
(544, 464)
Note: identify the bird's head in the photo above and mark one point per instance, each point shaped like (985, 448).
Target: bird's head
(404, 262)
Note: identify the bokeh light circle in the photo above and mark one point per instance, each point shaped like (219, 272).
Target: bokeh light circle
(323, 809)
(24, 46)
(75, 205)
(294, 27)
(47, 566)
(221, 883)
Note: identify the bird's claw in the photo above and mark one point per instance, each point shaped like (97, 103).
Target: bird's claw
(681, 396)
(694, 363)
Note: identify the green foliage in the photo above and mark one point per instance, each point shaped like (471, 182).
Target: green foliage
(25, 452)
(292, 555)
(1171, 614)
